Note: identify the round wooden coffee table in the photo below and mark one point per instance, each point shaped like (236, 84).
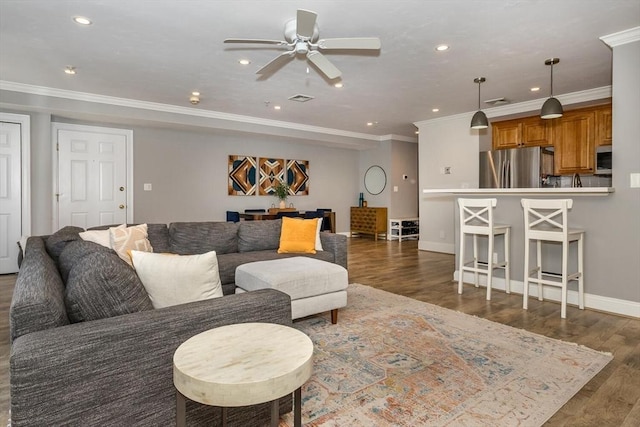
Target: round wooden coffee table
(243, 364)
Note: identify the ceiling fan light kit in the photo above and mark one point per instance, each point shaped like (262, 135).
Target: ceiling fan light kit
(301, 35)
(552, 108)
(479, 119)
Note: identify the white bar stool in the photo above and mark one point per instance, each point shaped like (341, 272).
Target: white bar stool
(476, 219)
(546, 220)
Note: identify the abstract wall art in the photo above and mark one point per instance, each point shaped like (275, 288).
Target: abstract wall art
(298, 177)
(242, 175)
(272, 171)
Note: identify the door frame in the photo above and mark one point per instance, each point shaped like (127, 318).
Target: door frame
(25, 158)
(127, 133)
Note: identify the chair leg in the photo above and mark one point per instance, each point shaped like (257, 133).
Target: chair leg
(475, 260)
(461, 264)
(539, 269)
(581, 271)
(507, 260)
(525, 289)
(490, 265)
(565, 255)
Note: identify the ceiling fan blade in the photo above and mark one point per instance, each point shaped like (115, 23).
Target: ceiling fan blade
(305, 23)
(372, 43)
(257, 41)
(276, 63)
(323, 64)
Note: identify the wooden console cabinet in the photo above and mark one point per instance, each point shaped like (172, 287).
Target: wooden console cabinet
(369, 221)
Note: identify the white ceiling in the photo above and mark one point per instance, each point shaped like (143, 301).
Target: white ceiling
(159, 51)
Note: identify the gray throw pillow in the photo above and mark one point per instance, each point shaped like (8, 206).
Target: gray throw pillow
(74, 252)
(101, 285)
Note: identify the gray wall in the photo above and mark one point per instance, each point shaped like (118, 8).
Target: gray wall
(612, 223)
(187, 168)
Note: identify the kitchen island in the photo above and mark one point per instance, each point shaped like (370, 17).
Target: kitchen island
(590, 207)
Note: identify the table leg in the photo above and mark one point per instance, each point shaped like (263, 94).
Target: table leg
(275, 413)
(181, 410)
(224, 416)
(297, 407)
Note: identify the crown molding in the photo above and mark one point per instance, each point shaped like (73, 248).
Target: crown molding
(533, 105)
(622, 37)
(187, 111)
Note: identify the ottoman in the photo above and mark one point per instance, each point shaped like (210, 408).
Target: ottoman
(314, 286)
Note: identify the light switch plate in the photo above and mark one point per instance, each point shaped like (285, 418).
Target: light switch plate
(634, 180)
(395, 188)
(147, 187)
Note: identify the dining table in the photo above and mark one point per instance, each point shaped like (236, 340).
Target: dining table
(273, 214)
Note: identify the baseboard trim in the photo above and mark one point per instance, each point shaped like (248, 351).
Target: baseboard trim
(445, 248)
(595, 302)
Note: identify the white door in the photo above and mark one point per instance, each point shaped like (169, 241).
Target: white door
(10, 196)
(92, 177)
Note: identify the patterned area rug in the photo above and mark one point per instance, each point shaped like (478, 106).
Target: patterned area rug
(395, 361)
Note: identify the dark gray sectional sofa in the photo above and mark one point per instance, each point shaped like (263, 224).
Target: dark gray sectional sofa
(87, 347)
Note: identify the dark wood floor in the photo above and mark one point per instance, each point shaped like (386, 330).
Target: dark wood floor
(612, 398)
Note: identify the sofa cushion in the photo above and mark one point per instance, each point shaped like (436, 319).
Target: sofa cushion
(192, 238)
(259, 235)
(74, 252)
(101, 285)
(178, 279)
(158, 235)
(38, 295)
(58, 240)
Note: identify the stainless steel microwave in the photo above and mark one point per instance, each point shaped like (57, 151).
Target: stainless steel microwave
(603, 160)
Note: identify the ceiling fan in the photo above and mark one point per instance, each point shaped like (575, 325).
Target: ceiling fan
(301, 35)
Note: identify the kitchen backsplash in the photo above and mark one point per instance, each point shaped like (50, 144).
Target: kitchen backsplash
(586, 180)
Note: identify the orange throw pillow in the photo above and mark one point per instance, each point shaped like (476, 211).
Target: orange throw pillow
(298, 235)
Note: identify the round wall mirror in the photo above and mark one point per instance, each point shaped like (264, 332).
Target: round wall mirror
(375, 180)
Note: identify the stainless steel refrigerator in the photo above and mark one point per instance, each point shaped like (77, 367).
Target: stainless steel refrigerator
(516, 168)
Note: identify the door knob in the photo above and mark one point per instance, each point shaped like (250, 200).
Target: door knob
(121, 206)
(121, 188)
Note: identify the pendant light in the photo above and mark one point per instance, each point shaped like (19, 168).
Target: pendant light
(479, 120)
(551, 109)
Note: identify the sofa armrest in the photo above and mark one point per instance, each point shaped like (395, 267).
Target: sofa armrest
(119, 371)
(336, 243)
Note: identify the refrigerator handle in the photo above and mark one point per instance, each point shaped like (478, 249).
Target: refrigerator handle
(507, 174)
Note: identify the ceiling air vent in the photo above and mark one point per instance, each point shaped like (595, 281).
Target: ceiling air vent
(300, 98)
(497, 101)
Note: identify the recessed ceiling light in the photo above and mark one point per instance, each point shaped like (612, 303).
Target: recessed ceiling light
(442, 47)
(435, 110)
(276, 107)
(81, 20)
(535, 89)
(338, 85)
(244, 62)
(195, 93)
(70, 70)
(369, 123)
(417, 132)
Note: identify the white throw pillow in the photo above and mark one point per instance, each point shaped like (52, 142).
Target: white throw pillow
(128, 239)
(177, 279)
(318, 243)
(100, 237)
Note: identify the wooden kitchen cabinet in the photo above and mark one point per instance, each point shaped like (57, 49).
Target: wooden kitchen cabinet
(574, 136)
(604, 133)
(369, 220)
(506, 134)
(525, 132)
